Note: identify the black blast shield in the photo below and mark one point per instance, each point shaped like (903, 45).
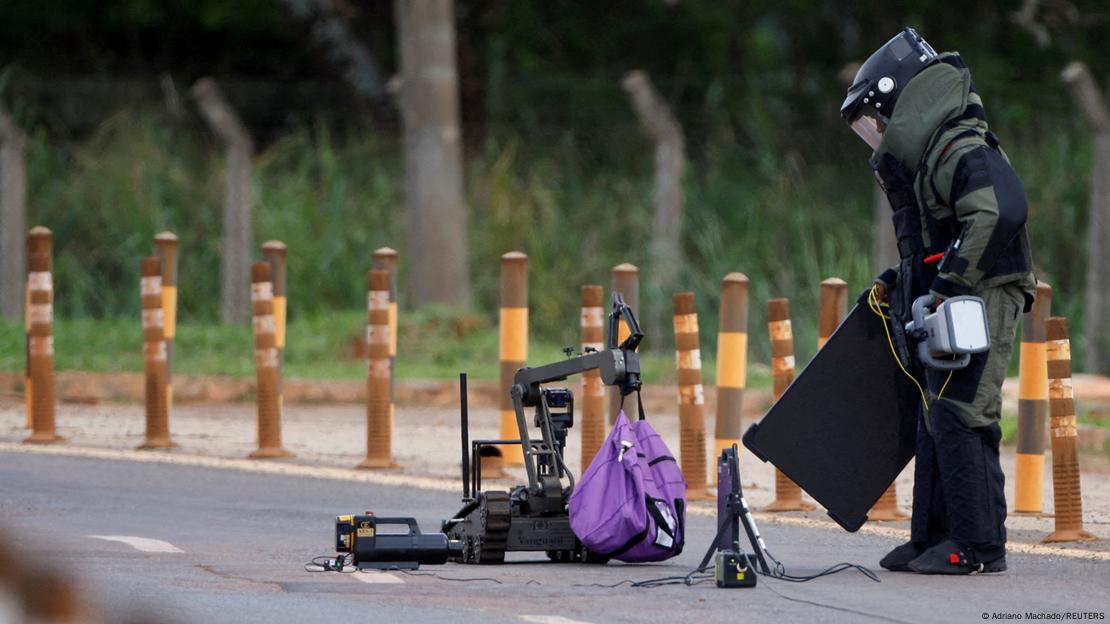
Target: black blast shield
(846, 427)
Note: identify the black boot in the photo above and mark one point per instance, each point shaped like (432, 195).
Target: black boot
(898, 559)
(948, 557)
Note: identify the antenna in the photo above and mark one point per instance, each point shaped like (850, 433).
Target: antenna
(464, 417)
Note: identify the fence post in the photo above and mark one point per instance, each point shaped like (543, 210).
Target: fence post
(166, 248)
(379, 403)
(593, 391)
(691, 395)
(514, 343)
(385, 259)
(788, 496)
(1065, 456)
(266, 365)
(154, 355)
(626, 281)
(732, 361)
(237, 236)
(40, 341)
(660, 124)
(1032, 406)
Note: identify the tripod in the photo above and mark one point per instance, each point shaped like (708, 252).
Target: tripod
(733, 567)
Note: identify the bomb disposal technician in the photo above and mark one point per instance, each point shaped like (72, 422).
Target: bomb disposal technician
(959, 214)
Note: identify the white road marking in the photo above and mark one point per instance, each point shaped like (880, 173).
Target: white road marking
(378, 577)
(550, 620)
(144, 544)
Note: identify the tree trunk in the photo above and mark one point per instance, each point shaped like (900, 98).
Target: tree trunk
(429, 99)
(670, 162)
(235, 303)
(1096, 329)
(13, 216)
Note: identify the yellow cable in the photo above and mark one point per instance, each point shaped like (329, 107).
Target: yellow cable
(945, 385)
(873, 303)
(876, 307)
(942, 388)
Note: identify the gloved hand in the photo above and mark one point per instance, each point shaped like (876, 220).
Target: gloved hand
(885, 282)
(880, 292)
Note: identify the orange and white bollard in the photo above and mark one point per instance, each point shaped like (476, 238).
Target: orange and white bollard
(379, 403)
(732, 361)
(385, 259)
(40, 335)
(513, 325)
(154, 355)
(1032, 407)
(626, 281)
(593, 391)
(691, 396)
(788, 496)
(276, 254)
(266, 365)
(1065, 456)
(165, 247)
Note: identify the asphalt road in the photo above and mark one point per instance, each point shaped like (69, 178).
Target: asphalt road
(244, 539)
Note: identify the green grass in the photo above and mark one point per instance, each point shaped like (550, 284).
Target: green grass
(434, 344)
(1009, 423)
(1085, 418)
(1009, 427)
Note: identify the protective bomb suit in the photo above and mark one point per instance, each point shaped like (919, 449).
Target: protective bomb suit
(952, 192)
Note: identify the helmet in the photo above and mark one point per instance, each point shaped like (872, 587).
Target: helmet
(880, 80)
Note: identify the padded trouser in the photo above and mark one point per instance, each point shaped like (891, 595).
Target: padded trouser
(959, 488)
(958, 482)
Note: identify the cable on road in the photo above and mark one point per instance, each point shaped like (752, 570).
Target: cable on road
(836, 608)
(451, 578)
(698, 575)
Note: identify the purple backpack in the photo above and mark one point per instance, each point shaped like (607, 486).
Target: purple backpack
(631, 502)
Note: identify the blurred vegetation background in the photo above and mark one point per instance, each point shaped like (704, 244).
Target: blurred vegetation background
(556, 165)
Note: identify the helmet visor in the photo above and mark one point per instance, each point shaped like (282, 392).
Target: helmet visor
(868, 129)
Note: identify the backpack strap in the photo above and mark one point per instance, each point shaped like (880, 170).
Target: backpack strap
(640, 401)
(632, 542)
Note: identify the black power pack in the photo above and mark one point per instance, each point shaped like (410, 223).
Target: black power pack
(731, 570)
(371, 548)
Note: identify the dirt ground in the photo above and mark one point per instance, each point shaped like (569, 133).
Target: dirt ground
(426, 443)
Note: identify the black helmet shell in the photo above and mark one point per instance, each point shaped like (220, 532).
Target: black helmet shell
(882, 77)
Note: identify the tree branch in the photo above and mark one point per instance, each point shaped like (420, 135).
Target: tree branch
(1026, 17)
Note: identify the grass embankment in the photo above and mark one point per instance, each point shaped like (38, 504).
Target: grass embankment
(434, 344)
